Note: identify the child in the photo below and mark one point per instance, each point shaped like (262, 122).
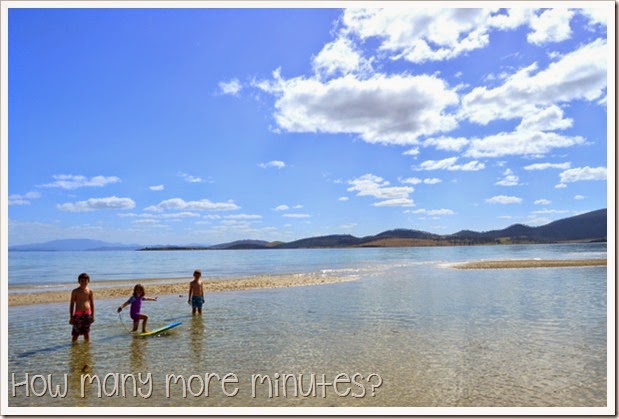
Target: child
(196, 293)
(136, 305)
(82, 308)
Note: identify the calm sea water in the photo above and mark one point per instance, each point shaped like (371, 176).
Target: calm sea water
(410, 332)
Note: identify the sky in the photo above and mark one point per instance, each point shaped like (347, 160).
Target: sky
(208, 125)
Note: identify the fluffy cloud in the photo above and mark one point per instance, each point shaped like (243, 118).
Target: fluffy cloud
(419, 35)
(277, 164)
(583, 173)
(580, 74)
(434, 212)
(296, 215)
(434, 34)
(447, 143)
(157, 188)
(544, 166)
(233, 87)
(23, 199)
(377, 187)
(96, 204)
(190, 178)
(450, 164)
(79, 181)
(339, 57)
(542, 202)
(508, 179)
(394, 109)
(178, 204)
(552, 25)
(503, 199)
(417, 181)
(528, 143)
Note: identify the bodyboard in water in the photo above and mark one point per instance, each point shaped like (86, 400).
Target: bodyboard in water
(160, 330)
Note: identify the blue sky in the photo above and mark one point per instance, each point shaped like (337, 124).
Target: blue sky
(201, 125)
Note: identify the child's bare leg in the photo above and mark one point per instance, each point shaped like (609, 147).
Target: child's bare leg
(74, 338)
(200, 311)
(135, 325)
(86, 337)
(145, 319)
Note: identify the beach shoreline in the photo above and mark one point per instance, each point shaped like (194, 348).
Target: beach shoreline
(529, 263)
(169, 286)
(179, 286)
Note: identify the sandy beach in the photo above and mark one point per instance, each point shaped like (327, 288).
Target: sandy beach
(180, 286)
(529, 263)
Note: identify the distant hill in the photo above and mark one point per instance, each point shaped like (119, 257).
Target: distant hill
(590, 226)
(73, 245)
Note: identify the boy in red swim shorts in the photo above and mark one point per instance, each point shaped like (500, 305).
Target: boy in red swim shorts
(82, 308)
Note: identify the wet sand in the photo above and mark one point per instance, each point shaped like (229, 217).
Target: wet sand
(529, 263)
(180, 286)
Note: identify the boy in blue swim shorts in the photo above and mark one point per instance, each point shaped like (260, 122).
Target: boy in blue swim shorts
(196, 293)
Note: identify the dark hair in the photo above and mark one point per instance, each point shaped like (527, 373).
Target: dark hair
(138, 287)
(197, 272)
(83, 275)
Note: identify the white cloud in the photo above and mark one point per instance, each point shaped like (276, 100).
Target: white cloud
(527, 143)
(243, 217)
(509, 179)
(503, 199)
(202, 205)
(552, 25)
(96, 204)
(550, 211)
(377, 187)
(596, 16)
(233, 87)
(435, 34)
(394, 109)
(412, 152)
(419, 35)
(542, 202)
(580, 74)
(417, 181)
(447, 143)
(450, 164)
(277, 164)
(339, 57)
(23, 199)
(157, 188)
(296, 215)
(548, 119)
(583, 173)
(544, 166)
(282, 208)
(434, 212)
(190, 178)
(579, 197)
(343, 199)
(79, 181)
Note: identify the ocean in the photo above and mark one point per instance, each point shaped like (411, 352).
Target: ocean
(411, 331)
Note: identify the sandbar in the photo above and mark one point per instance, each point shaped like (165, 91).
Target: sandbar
(529, 263)
(157, 286)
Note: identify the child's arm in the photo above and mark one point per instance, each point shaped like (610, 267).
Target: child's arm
(71, 307)
(190, 293)
(123, 305)
(91, 297)
(150, 298)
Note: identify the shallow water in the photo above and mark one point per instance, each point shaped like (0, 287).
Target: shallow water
(415, 332)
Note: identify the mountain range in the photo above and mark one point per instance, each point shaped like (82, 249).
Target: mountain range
(587, 227)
